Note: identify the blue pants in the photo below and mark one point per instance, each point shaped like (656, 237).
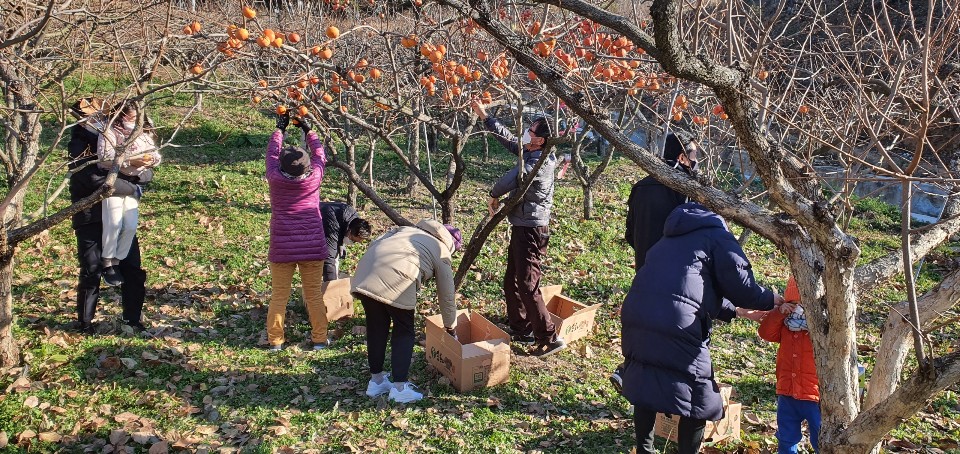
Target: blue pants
(790, 414)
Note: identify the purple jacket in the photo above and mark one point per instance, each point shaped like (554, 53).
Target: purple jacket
(296, 229)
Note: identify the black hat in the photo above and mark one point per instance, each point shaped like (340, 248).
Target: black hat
(294, 161)
(677, 144)
(541, 127)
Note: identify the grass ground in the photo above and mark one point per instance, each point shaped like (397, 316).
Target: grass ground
(198, 378)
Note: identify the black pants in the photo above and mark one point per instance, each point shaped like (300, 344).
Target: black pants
(133, 290)
(526, 311)
(689, 432)
(379, 316)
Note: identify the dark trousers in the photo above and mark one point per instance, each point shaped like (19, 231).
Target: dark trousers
(379, 316)
(88, 288)
(689, 432)
(526, 311)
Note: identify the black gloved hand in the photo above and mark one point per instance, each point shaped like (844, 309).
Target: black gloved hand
(304, 124)
(283, 121)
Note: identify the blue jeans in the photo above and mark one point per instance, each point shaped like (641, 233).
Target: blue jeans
(790, 414)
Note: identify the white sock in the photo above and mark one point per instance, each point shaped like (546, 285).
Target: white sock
(399, 385)
(378, 378)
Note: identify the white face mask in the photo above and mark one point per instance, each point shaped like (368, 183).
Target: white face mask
(129, 125)
(525, 140)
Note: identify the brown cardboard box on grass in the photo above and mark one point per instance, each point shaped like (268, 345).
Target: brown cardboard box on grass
(479, 357)
(337, 298)
(728, 427)
(572, 319)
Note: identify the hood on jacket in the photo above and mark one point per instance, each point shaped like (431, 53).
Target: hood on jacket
(689, 217)
(439, 231)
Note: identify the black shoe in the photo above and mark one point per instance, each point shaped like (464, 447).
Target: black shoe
(112, 276)
(136, 326)
(547, 349)
(83, 328)
(616, 379)
(523, 339)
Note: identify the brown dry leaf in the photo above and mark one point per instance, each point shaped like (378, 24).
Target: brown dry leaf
(50, 437)
(170, 262)
(381, 443)
(160, 447)
(58, 410)
(26, 435)
(141, 438)
(207, 430)
(4, 440)
(750, 418)
(20, 385)
(278, 430)
(118, 437)
(401, 424)
(129, 363)
(904, 444)
(494, 402)
(125, 417)
(359, 330)
(149, 356)
(31, 402)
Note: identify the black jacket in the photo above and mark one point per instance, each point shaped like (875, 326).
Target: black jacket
(82, 150)
(649, 205)
(336, 216)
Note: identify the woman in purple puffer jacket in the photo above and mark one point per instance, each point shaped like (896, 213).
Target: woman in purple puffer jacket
(296, 230)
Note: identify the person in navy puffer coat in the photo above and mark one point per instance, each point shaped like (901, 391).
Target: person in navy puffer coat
(690, 277)
(297, 239)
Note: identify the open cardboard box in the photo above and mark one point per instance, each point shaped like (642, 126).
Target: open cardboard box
(728, 427)
(337, 298)
(479, 357)
(572, 319)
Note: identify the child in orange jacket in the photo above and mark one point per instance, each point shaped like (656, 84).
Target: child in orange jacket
(798, 390)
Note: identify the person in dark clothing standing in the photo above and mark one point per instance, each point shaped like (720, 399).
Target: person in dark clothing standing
(85, 178)
(650, 202)
(527, 314)
(648, 206)
(341, 224)
(695, 274)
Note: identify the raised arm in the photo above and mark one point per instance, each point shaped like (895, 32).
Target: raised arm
(318, 157)
(273, 154)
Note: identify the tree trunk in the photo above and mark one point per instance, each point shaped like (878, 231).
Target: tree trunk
(413, 152)
(9, 351)
(351, 161)
(588, 201)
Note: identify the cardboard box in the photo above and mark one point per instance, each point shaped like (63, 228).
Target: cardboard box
(726, 428)
(481, 356)
(337, 299)
(572, 319)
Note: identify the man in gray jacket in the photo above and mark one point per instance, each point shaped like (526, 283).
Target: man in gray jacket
(529, 233)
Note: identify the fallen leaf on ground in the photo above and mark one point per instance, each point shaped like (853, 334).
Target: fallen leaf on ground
(160, 447)
(31, 402)
(26, 435)
(752, 419)
(125, 417)
(50, 437)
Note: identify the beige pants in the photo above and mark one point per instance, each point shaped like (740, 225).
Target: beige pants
(311, 273)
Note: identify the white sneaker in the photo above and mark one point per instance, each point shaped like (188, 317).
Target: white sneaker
(407, 395)
(374, 390)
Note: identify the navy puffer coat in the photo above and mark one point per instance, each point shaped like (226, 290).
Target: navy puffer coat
(668, 313)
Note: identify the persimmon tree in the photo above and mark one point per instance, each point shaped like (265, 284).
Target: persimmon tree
(892, 93)
(43, 45)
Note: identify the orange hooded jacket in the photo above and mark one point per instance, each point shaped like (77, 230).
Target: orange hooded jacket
(796, 371)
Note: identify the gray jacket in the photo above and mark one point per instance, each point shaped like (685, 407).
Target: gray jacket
(534, 210)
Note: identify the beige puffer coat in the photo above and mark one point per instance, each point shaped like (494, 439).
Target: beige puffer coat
(397, 263)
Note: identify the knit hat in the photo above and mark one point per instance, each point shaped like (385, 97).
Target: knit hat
(796, 321)
(294, 161)
(457, 237)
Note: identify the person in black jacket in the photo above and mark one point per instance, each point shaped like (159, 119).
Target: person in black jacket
(648, 206)
(650, 202)
(529, 319)
(341, 224)
(85, 178)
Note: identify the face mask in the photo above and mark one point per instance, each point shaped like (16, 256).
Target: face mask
(129, 125)
(525, 140)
